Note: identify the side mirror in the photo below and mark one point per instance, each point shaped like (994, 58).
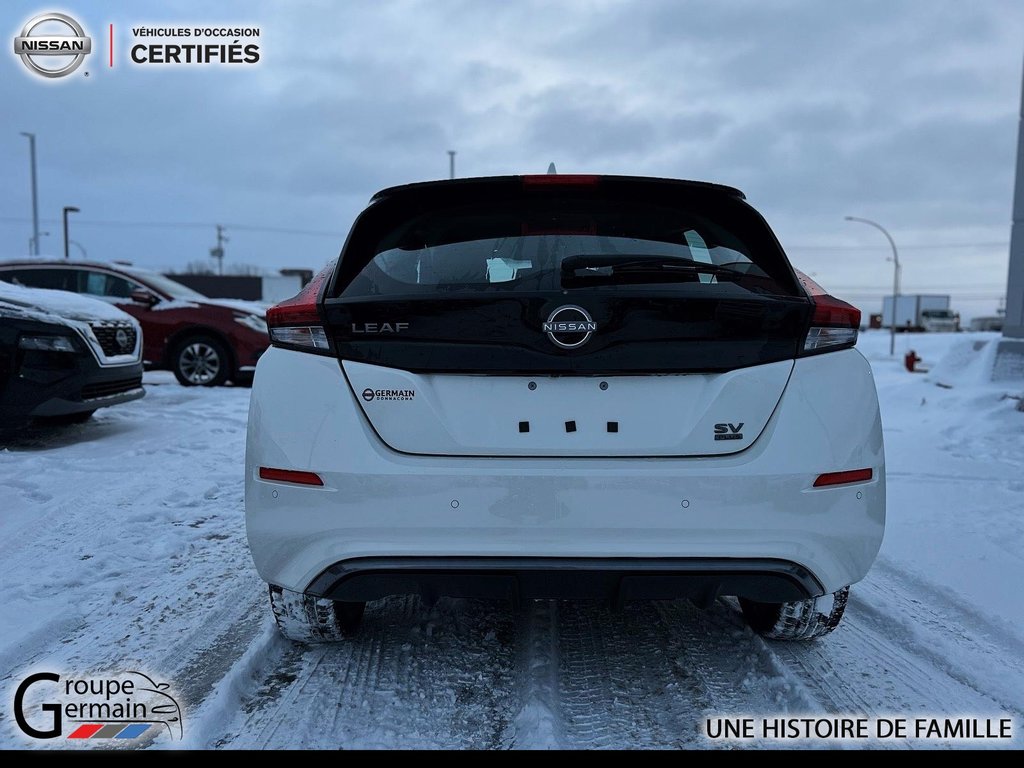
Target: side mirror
(142, 296)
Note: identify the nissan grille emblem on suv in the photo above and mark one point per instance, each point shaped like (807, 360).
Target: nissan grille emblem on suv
(35, 48)
(121, 337)
(570, 326)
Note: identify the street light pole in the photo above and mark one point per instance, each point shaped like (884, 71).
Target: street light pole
(67, 209)
(33, 243)
(895, 277)
(35, 194)
(451, 163)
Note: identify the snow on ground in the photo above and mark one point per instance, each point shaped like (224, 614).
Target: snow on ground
(122, 545)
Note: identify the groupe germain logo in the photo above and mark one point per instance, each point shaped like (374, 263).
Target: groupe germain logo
(569, 326)
(121, 708)
(369, 395)
(52, 45)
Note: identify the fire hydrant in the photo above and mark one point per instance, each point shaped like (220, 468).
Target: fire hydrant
(911, 360)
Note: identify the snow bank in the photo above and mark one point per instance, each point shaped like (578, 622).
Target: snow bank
(968, 362)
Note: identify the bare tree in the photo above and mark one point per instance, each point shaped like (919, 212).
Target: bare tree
(247, 270)
(196, 268)
(207, 268)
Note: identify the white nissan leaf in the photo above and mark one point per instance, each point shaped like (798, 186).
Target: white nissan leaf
(583, 387)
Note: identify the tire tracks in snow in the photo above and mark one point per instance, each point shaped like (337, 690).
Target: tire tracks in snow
(414, 677)
(643, 676)
(538, 723)
(954, 639)
(875, 664)
(622, 683)
(568, 674)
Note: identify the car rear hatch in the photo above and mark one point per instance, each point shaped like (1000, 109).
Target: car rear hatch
(565, 316)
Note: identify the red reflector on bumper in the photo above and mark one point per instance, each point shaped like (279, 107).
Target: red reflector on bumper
(290, 476)
(840, 478)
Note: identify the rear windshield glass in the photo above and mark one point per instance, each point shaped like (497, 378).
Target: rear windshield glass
(560, 244)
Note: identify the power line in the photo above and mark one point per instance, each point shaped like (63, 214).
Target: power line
(953, 295)
(188, 225)
(918, 287)
(917, 247)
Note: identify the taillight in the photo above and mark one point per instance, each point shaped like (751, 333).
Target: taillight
(834, 323)
(296, 323)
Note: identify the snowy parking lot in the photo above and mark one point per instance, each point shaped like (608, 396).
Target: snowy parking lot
(122, 546)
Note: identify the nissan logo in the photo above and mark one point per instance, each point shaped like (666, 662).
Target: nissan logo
(123, 340)
(58, 54)
(569, 326)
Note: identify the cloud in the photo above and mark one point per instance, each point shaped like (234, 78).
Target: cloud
(901, 111)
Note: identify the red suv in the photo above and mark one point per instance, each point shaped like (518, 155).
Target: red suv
(204, 341)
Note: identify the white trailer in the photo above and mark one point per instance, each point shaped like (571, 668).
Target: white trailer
(919, 312)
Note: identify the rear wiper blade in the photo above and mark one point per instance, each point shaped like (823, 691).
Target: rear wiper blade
(617, 261)
(606, 266)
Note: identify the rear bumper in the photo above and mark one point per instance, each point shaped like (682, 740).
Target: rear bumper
(519, 578)
(755, 506)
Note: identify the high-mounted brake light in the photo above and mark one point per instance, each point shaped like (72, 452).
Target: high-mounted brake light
(834, 323)
(561, 180)
(842, 478)
(295, 323)
(290, 476)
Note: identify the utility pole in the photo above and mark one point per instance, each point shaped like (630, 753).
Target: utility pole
(64, 214)
(218, 252)
(1013, 326)
(35, 194)
(451, 163)
(33, 243)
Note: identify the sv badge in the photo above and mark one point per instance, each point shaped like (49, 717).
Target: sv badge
(726, 431)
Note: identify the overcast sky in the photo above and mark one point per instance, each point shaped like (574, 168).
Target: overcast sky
(904, 112)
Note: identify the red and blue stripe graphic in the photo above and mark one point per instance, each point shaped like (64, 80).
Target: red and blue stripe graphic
(109, 731)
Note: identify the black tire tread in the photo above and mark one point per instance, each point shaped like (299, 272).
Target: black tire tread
(797, 620)
(307, 619)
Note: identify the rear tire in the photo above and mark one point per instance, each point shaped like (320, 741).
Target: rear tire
(307, 619)
(798, 620)
(200, 361)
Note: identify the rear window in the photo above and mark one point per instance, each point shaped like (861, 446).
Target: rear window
(556, 243)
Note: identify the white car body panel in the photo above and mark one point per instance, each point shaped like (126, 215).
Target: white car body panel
(664, 415)
(376, 501)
